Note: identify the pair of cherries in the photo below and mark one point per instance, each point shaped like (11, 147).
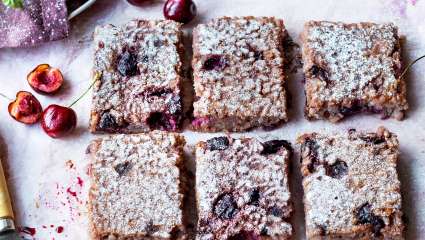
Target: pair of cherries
(57, 121)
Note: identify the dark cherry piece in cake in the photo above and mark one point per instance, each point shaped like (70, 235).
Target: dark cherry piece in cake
(351, 185)
(136, 190)
(140, 71)
(352, 68)
(238, 67)
(242, 189)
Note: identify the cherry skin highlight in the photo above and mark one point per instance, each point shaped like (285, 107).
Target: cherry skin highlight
(182, 11)
(58, 121)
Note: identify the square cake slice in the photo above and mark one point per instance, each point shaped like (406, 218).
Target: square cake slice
(140, 74)
(239, 77)
(242, 189)
(351, 68)
(136, 190)
(351, 187)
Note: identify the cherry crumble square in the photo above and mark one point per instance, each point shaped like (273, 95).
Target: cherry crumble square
(242, 189)
(239, 78)
(351, 187)
(136, 187)
(139, 68)
(351, 68)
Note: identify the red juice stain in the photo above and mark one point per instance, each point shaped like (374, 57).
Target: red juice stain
(80, 181)
(59, 229)
(27, 230)
(74, 194)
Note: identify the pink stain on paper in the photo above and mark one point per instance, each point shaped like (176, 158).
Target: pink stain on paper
(65, 198)
(30, 232)
(27, 231)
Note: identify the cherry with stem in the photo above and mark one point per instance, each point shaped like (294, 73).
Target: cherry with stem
(58, 121)
(6, 97)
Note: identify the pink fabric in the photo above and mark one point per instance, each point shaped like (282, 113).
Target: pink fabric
(38, 22)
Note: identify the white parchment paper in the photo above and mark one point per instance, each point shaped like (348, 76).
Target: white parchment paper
(48, 178)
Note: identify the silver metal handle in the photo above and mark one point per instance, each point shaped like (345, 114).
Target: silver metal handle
(81, 9)
(6, 224)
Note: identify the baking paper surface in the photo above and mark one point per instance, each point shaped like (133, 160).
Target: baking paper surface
(48, 177)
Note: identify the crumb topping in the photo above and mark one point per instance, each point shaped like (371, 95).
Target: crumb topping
(257, 184)
(350, 60)
(332, 202)
(132, 60)
(135, 185)
(238, 68)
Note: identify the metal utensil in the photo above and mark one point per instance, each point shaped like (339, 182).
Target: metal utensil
(81, 9)
(7, 224)
(10, 235)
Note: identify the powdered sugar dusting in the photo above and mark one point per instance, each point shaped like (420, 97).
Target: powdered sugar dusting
(239, 170)
(135, 185)
(352, 67)
(353, 56)
(332, 203)
(157, 46)
(249, 85)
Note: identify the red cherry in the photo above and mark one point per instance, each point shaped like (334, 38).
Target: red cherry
(26, 108)
(180, 10)
(45, 79)
(58, 121)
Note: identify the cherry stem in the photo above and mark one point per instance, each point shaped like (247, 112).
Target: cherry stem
(410, 65)
(96, 77)
(8, 98)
